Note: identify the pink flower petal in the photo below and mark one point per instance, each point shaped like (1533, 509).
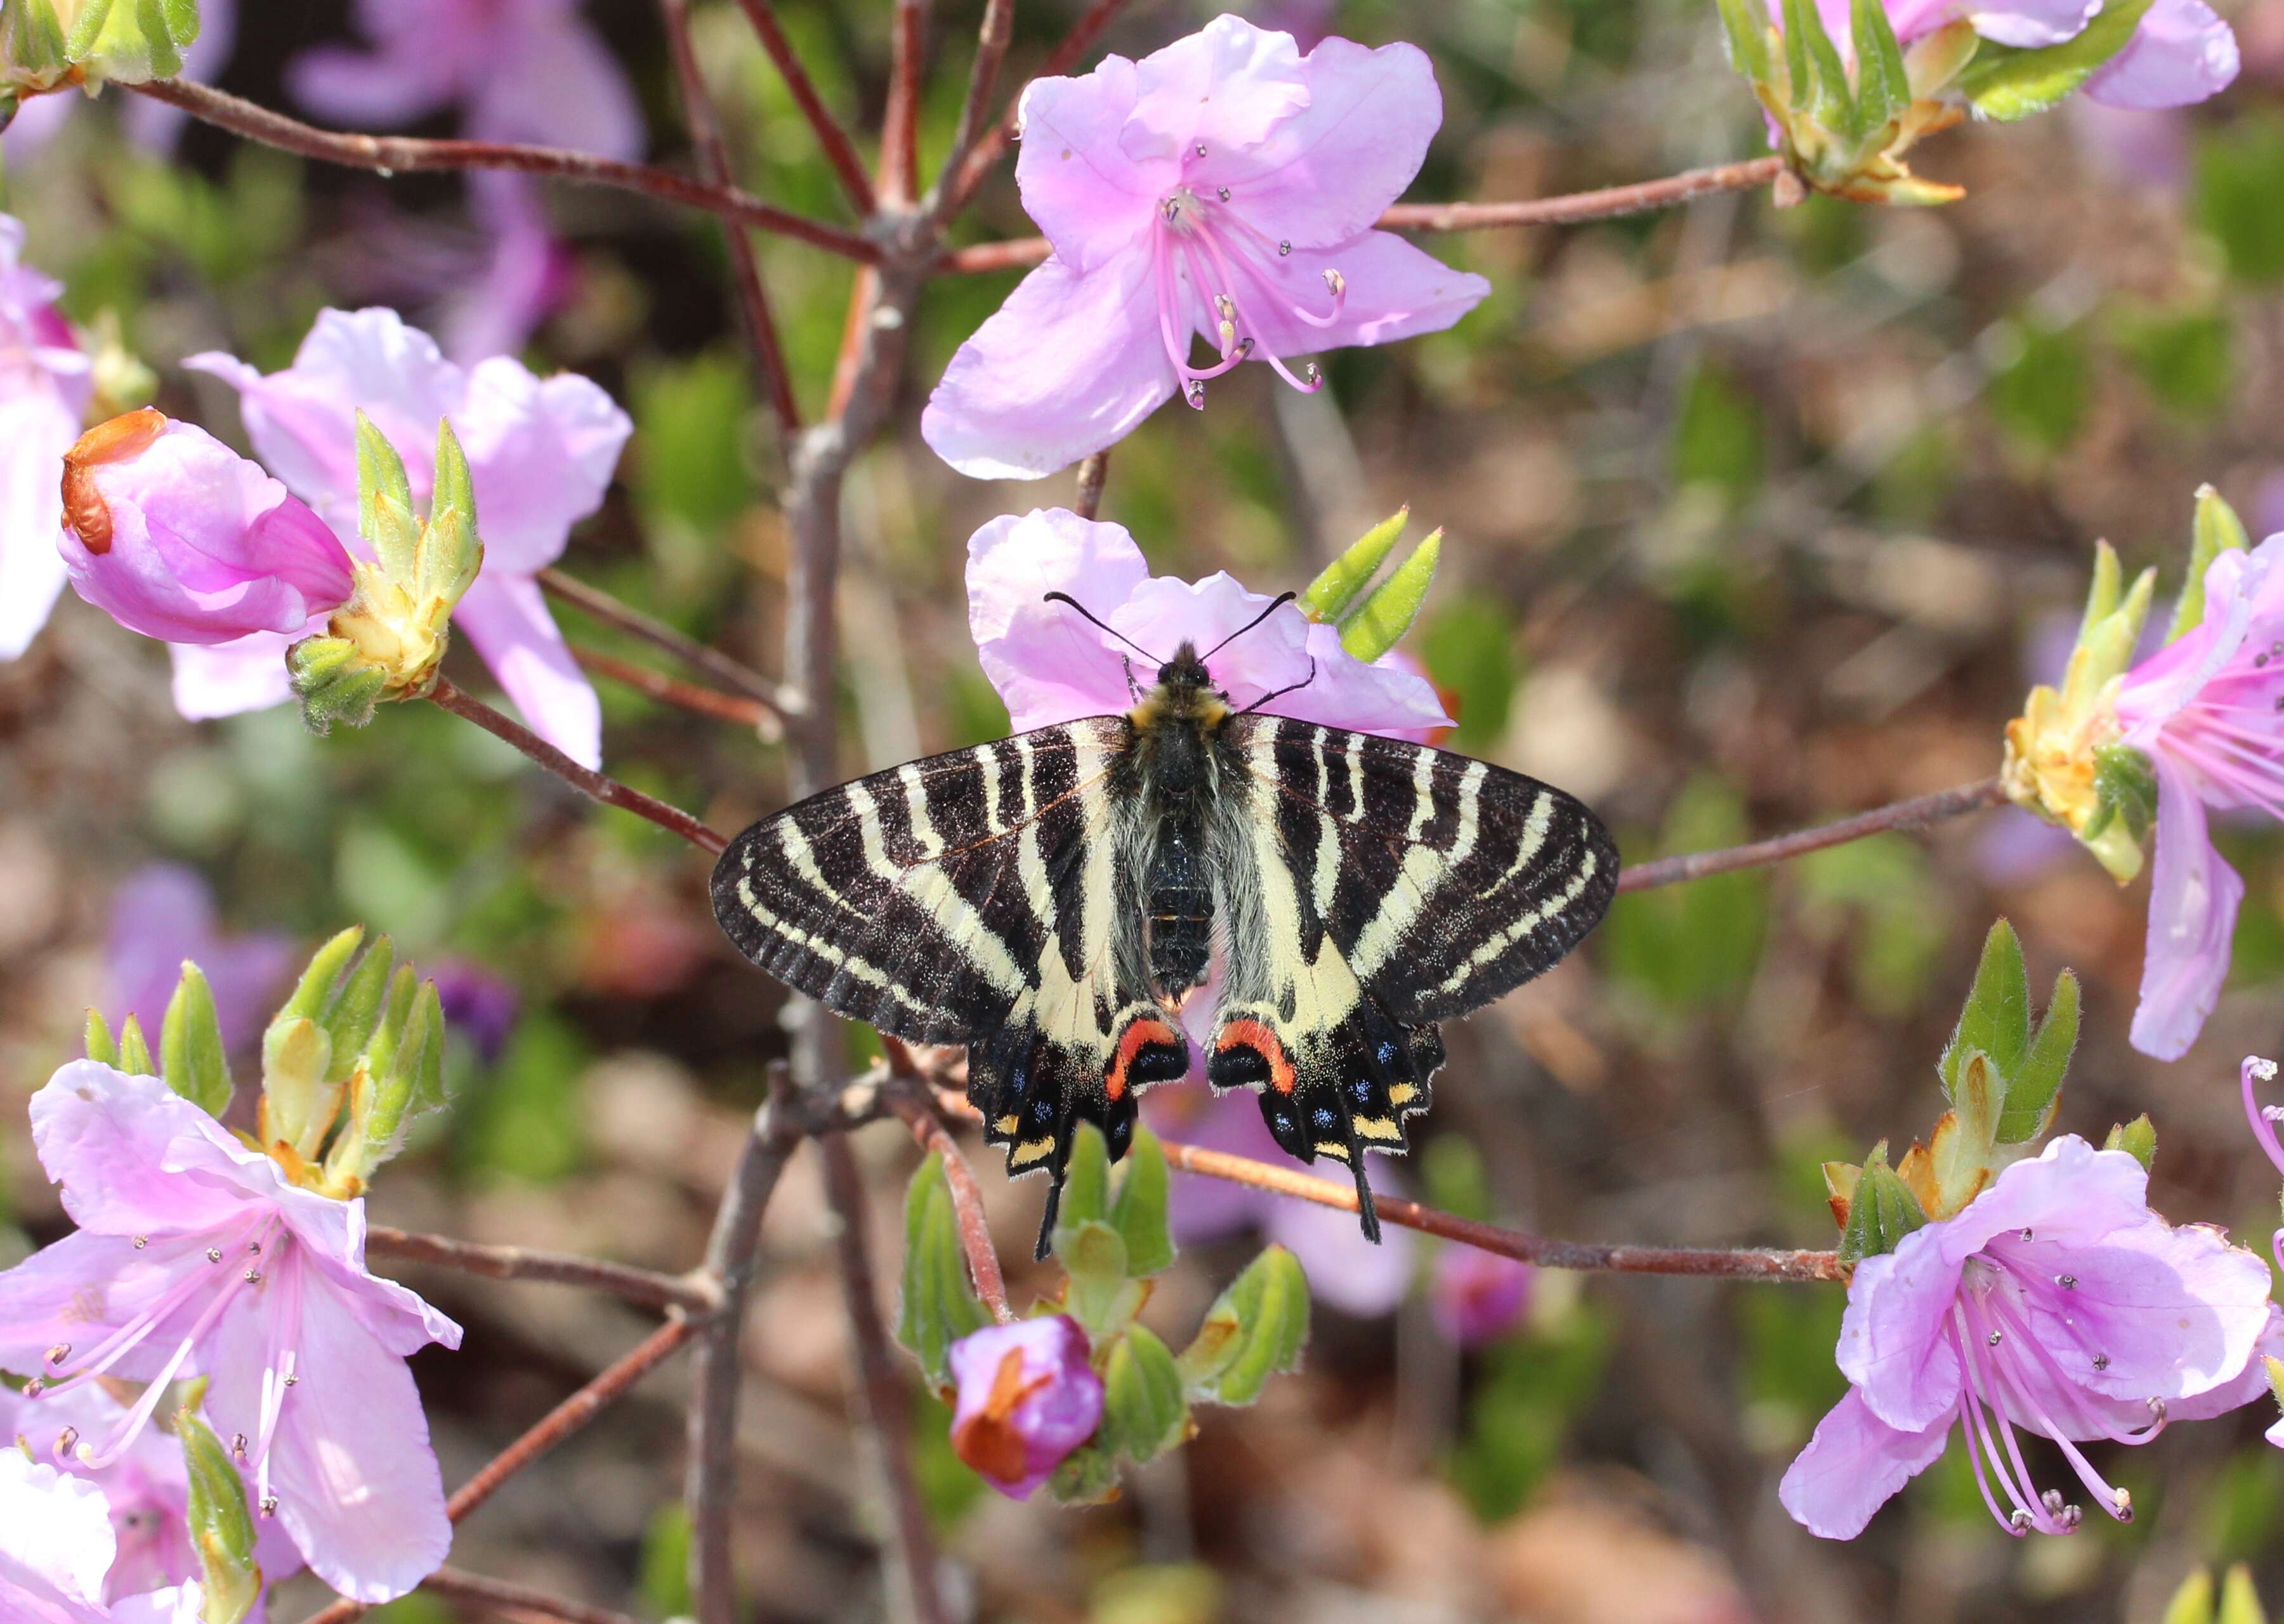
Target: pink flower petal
(1855, 1464)
(560, 86)
(1394, 292)
(1048, 664)
(1090, 199)
(541, 453)
(106, 1137)
(507, 619)
(2193, 896)
(356, 1481)
(1325, 173)
(36, 428)
(230, 678)
(1225, 87)
(1345, 1270)
(57, 1526)
(1069, 364)
(77, 1290)
(2182, 52)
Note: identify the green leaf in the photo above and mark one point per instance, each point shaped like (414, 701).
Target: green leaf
(336, 685)
(353, 1010)
(385, 516)
(2136, 1138)
(2031, 1090)
(1825, 93)
(221, 1531)
(2216, 530)
(1086, 1186)
(190, 1045)
(1882, 1211)
(135, 1050)
(101, 1046)
(940, 1305)
(1139, 1211)
(1379, 624)
(1254, 1328)
(1883, 87)
(2239, 1604)
(1745, 32)
(1088, 1476)
(1144, 1407)
(2124, 789)
(2005, 83)
(451, 553)
(1095, 1259)
(1329, 595)
(2193, 1603)
(314, 991)
(1996, 1018)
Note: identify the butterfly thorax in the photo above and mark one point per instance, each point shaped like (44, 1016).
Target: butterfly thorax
(1177, 728)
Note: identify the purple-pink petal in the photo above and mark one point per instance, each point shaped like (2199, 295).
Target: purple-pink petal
(163, 914)
(1223, 88)
(1048, 664)
(2183, 52)
(1069, 364)
(1026, 1397)
(1395, 291)
(507, 619)
(1855, 1464)
(229, 679)
(106, 1138)
(2194, 897)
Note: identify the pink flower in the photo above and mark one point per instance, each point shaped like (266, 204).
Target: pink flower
(163, 914)
(197, 1256)
(525, 275)
(56, 1549)
(2182, 52)
(146, 1490)
(1478, 1296)
(540, 452)
(1027, 1398)
(173, 535)
(520, 70)
(44, 384)
(1225, 187)
(2252, 1075)
(1050, 665)
(2208, 711)
(2056, 1302)
(1345, 1270)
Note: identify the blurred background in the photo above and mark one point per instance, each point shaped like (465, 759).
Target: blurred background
(1754, 518)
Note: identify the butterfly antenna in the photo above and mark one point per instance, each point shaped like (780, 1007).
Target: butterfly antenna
(1283, 599)
(1280, 692)
(1065, 598)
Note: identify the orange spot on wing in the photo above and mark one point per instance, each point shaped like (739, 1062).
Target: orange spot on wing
(1256, 1036)
(1138, 1032)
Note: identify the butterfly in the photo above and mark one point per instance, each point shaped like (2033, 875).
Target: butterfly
(1055, 900)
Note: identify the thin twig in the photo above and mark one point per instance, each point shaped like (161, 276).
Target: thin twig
(700, 658)
(991, 42)
(516, 1601)
(388, 155)
(1573, 208)
(647, 1286)
(839, 152)
(967, 1198)
(557, 1425)
(900, 125)
(710, 1482)
(993, 147)
(1915, 814)
(1608, 204)
(1093, 471)
(705, 125)
(610, 791)
(1748, 1263)
(688, 696)
(881, 1385)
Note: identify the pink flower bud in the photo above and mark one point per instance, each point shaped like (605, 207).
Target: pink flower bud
(1027, 1398)
(175, 535)
(1478, 1296)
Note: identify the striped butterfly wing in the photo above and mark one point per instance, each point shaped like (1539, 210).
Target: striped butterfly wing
(984, 897)
(1374, 887)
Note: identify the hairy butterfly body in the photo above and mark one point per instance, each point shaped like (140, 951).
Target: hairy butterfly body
(1053, 900)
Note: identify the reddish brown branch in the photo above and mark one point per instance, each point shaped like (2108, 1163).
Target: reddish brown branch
(705, 125)
(566, 1419)
(993, 147)
(687, 696)
(700, 658)
(900, 125)
(1093, 472)
(991, 42)
(839, 152)
(397, 154)
(966, 1199)
(1573, 208)
(610, 791)
(643, 1285)
(515, 1601)
(1917, 814)
(1751, 1264)
(881, 1382)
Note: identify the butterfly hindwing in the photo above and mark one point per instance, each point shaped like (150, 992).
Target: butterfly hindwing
(1372, 887)
(981, 897)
